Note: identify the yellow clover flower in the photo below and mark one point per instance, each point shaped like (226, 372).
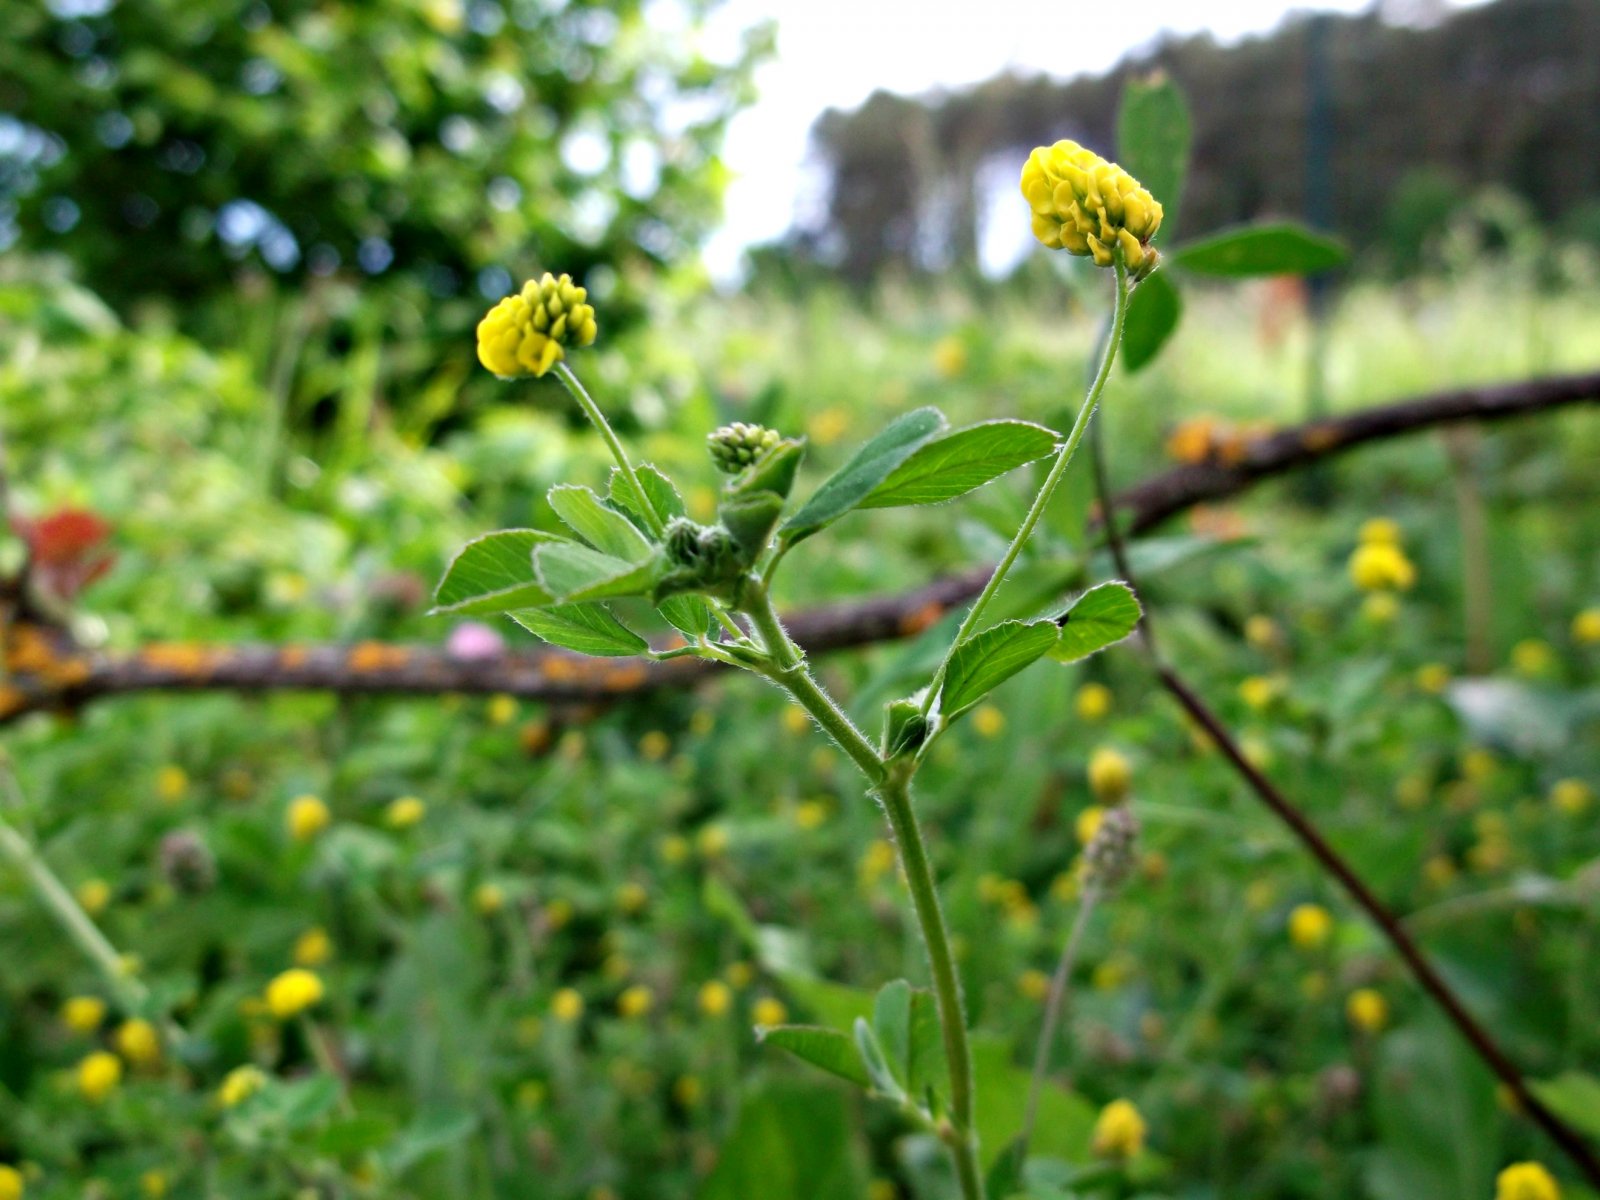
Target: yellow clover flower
(1310, 926)
(138, 1042)
(11, 1182)
(1381, 566)
(525, 334)
(404, 812)
(1110, 775)
(239, 1084)
(1586, 627)
(769, 1011)
(1526, 1181)
(306, 817)
(83, 1014)
(1367, 1009)
(98, 1075)
(293, 992)
(1085, 205)
(1119, 1131)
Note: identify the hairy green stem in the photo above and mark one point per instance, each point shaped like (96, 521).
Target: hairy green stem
(1057, 470)
(613, 443)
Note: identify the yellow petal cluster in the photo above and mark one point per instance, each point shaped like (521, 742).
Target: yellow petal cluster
(1381, 567)
(1085, 205)
(525, 333)
(1119, 1131)
(293, 992)
(1310, 926)
(1526, 1181)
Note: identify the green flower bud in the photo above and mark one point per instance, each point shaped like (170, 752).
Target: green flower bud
(734, 447)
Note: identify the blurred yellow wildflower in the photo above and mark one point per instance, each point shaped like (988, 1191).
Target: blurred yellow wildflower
(293, 992)
(306, 817)
(138, 1042)
(950, 356)
(566, 1005)
(1258, 691)
(1088, 823)
(712, 841)
(1380, 608)
(1526, 1181)
(1119, 1131)
(239, 1084)
(739, 974)
(488, 899)
(1086, 205)
(404, 812)
(769, 1011)
(94, 896)
(153, 1183)
(877, 860)
(98, 1075)
(1110, 775)
(1380, 567)
(83, 1014)
(1261, 631)
(635, 1001)
(1367, 1010)
(1533, 657)
(172, 781)
(715, 998)
(795, 720)
(988, 720)
(11, 1183)
(632, 898)
(1381, 531)
(501, 709)
(526, 333)
(1034, 984)
(654, 746)
(1571, 796)
(811, 814)
(1310, 926)
(1586, 627)
(1092, 702)
(1433, 678)
(312, 948)
(688, 1091)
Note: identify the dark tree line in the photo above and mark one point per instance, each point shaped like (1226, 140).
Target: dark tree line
(1352, 122)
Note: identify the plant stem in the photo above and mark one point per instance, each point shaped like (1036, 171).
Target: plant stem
(1057, 470)
(895, 793)
(1054, 1004)
(892, 786)
(613, 442)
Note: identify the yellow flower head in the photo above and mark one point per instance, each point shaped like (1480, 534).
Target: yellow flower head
(635, 1001)
(1119, 1130)
(94, 895)
(1433, 678)
(1109, 775)
(1533, 657)
(312, 948)
(488, 899)
(1085, 205)
(1258, 691)
(525, 334)
(306, 817)
(1571, 796)
(1381, 567)
(98, 1075)
(404, 812)
(1093, 702)
(1383, 531)
(1586, 627)
(11, 1182)
(1367, 1009)
(1034, 984)
(293, 992)
(1310, 926)
(153, 1183)
(988, 720)
(1526, 1181)
(769, 1011)
(633, 898)
(1261, 631)
(239, 1084)
(715, 998)
(1088, 823)
(172, 781)
(566, 1005)
(83, 1014)
(138, 1042)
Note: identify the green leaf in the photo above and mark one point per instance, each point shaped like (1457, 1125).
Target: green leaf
(1065, 1121)
(570, 573)
(876, 1062)
(607, 530)
(1573, 1096)
(790, 1142)
(1153, 314)
(1153, 133)
(1277, 249)
(494, 573)
(986, 660)
(829, 1049)
(1101, 617)
(355, 1135)
(906, 1023)
(1427, 1088)
(586, 628)
(430, 1133)
(659, 490)
(959, 462)
(871, 465)
(688, 614)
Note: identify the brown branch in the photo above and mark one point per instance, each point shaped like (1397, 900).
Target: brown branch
(1330, 860)
(560, 677)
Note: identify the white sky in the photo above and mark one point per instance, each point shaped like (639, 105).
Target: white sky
(834, 53)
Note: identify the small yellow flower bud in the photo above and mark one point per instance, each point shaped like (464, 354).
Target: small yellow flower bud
(566, 1006)
(239, 1084)
(1526, 1181)
(1381, 531)
(1381, 566)
(312, 948)
(715, 998)
(1088, 823)
(1433, 678)
(1571, 796)
(294, 992)
(83, 1014)
(525, 334)
(1310, 926)
(306, 817)
(1367, 1009)
(1110, 775)
(635, 1001)
(404, 812)
(11, 1183)
(98, 1076)
(488, 899)
(1092, 702)
(153, 1184)
(1033, 984)
(138, 1042)
(1586, 627)
(1119, 1131)
(988, 720)
(632, 898)
(94, 895)
(172, 781)
(1533, 658)
(769, 1011)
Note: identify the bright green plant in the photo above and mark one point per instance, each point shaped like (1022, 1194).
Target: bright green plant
(635, 550)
